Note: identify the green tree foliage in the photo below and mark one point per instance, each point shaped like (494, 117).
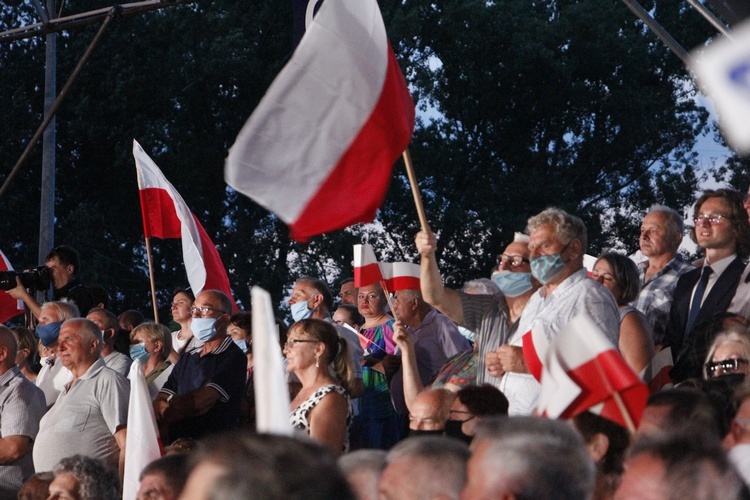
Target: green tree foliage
(525, 105)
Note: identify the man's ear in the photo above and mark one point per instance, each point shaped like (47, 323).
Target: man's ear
(575, 247)
(222, 322)
(317, 300)
(158, 345)
(598, 446)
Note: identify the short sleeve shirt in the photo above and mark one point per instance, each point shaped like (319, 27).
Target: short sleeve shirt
(22, 406)
(224, 370)
(84, 419)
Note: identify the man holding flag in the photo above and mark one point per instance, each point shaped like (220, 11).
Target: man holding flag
(557, 245)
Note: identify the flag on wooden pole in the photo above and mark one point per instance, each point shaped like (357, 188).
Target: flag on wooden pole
(166, 215)
(319, 149)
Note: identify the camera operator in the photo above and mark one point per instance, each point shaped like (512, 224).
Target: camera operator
(63, 264)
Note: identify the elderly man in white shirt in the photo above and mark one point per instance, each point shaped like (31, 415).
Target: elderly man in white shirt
(557, 246)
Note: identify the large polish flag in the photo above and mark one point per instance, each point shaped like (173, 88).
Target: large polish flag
(142, 445)
(584, 371)
(166, 215)
(271, 391)
(319, 149)
(9, 307)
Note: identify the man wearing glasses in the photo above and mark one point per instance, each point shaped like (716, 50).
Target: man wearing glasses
(722, 231)
(203, 394)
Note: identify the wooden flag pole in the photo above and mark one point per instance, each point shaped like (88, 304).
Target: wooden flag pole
(388, 298)
(151, 279)
(415, 191)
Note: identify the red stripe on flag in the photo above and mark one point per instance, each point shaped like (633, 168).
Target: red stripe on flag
(159, 216)
(356, 186)
(216, 274)
(530, 355)
(599, 378)
(403, 283)
(367, 275)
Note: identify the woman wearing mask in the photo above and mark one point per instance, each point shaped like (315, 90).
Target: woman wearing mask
(151, 344)
(729, 355)
(240, 329)
(321, 408)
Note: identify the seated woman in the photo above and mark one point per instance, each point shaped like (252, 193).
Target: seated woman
(321, 408)
(151, 344)
(620, 275)
(729, 354)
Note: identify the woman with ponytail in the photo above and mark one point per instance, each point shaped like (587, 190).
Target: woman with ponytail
(319, 358)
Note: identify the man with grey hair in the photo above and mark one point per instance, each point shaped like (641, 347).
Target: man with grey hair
(22, 406)
(528, 457)
(424, 467)
(362, 469)
(661, 234)
(557, 246)
(434, 336)
(90, 415)
(84, 478)
(679, 466)
(491, 317)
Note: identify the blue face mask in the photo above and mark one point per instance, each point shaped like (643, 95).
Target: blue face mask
(48, 333)
(545, 267)
(203, 328)
(242, 345)
(512, 284)
(300, 311)
(138, 351)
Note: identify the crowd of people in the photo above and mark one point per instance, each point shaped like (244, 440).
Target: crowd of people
(409, 393)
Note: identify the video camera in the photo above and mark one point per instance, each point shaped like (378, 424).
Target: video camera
(37, 279)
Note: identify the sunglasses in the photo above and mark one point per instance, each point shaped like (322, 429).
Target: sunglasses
(725, 367)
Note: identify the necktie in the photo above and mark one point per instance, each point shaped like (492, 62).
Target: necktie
(695, 305)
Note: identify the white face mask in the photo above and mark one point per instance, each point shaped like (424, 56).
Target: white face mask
(300, 311)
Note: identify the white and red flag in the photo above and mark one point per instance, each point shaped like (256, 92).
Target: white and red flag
(271, 390)
(319, 149)
(166, 215)
(366, 266)
(142, 445)
(535, 345)
(9, 307)
(584, 371)
(394, 276)
(656, 374)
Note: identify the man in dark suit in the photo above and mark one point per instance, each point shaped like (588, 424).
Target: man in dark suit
(723, 232)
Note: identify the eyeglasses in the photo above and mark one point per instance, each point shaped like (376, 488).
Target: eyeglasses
(290, 343)
(725, 367)
(204, 310)
(512, 260)
(710, 218)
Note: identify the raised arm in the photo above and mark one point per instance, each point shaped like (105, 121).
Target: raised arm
(411, 380)
(446, 300)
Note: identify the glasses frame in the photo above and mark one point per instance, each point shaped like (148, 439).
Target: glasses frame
(714, 219)
(203, 310)
(512, 260)
(290, 343)
(727, 366)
